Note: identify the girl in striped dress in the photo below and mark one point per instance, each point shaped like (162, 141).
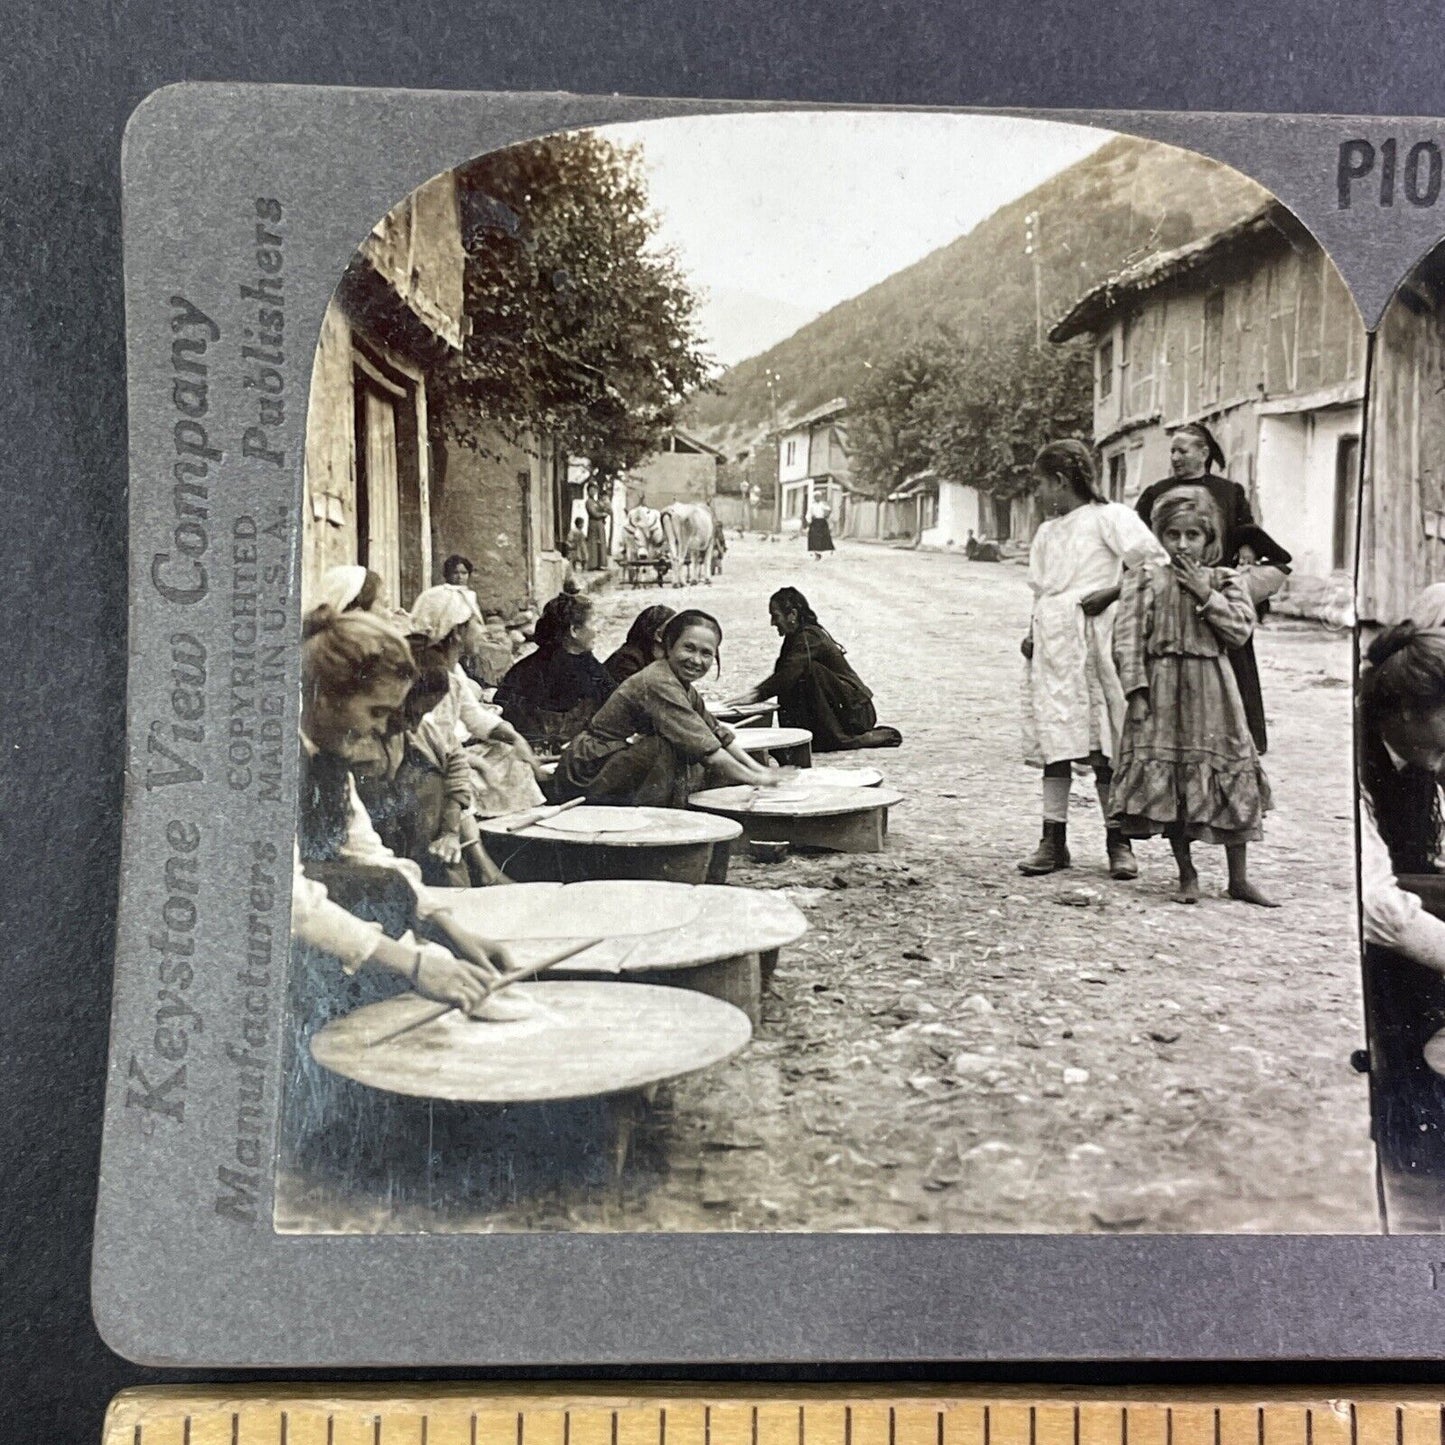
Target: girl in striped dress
(1187, 765)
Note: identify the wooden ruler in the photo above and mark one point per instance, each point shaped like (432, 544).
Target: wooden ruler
(813, 1415)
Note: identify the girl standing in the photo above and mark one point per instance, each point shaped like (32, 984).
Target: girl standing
(1187, 764)
(1073, 705)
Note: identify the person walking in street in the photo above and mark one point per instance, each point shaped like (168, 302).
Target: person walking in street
(815, 684)
(599, 514)
(1193, 456)
(820, 534)
(1187, 766)
(1073, 704)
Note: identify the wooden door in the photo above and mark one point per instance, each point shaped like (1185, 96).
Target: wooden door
(378, 509)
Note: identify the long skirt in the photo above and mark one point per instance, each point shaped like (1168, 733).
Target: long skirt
(820, 535)
(839, 717)
(1246, 674)
(1190, 767)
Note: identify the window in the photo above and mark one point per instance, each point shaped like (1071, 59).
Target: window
(791, 454)
(1118, 476)
(1106, 368)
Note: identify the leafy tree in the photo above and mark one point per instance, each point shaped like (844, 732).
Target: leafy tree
(580, 321)
(890, 416)
(1003, 401)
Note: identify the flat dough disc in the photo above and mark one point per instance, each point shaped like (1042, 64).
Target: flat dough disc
(588, 820)
(586, 1039)
(602, 908)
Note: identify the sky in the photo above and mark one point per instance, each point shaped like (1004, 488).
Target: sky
(780, 216)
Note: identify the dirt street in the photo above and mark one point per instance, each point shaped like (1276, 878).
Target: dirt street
(955, 1047)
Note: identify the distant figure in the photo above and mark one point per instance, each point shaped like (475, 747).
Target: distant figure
(970, 547)
(577, 545)
(598, 516)
(643, 646)
(814, 684)
(820, 534)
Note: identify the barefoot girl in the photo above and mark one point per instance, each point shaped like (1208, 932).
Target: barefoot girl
(1072, 703)
(1187, 765)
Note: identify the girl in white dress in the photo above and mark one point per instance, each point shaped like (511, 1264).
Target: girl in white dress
(1073, 706)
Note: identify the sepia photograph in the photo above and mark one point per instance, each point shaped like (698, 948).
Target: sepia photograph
(828, 659)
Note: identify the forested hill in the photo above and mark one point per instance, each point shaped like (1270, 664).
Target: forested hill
(1128, 199)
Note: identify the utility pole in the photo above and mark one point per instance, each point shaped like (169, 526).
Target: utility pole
(1031, 249)
(773, 380)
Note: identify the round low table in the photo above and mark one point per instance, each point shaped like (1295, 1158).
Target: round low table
(672, 845)
(845, 820)
(834, 777)
(747, 714)
(587, 1041)
(718, 941)
(788, 747)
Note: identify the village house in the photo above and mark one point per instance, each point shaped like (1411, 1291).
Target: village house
(1251, 331)
(1402, 517)
(387, 483)
(813, 465)
(937, 512)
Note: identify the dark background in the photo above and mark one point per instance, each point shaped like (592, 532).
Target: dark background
(70, 74)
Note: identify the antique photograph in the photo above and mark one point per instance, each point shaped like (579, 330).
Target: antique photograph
(827, 660)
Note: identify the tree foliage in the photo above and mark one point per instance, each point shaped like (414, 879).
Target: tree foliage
(973, 411)
(581, 323)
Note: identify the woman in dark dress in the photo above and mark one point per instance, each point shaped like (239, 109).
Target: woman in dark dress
(642, 647)
(1193, 455)
(820, 534)
(551, 694)
(814, 684)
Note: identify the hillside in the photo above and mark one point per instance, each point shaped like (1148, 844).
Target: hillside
(1129, 198)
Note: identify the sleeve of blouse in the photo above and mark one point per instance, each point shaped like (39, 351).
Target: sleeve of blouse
(316, 920)
(1393, 917)
(674, 718)
(1131, 631)
(1130, 540)
(480, 722)
(1228, 609)
(793, 660)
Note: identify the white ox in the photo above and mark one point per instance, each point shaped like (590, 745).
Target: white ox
(691, 533)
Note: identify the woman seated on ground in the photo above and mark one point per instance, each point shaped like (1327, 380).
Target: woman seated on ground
(653, 743)
(642, 647)
(814, 684)
(550, 695)
(418, 794)
(506, 772)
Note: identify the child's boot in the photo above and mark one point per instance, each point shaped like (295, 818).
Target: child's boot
(1122, 863)
(1052, 854)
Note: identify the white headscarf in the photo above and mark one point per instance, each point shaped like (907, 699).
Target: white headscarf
(340, 587)
(439, 611)
(1427, 611)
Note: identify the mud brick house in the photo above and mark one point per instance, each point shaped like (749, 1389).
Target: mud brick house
(1252, 331)
(1402, 519)
(386, 482)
